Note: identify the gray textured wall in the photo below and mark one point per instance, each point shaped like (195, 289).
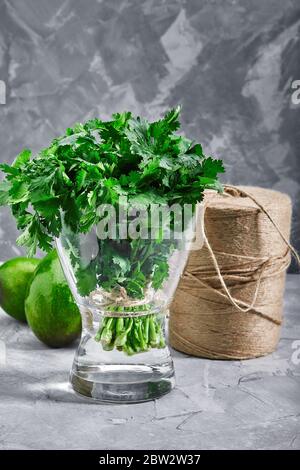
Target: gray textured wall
(230, 63)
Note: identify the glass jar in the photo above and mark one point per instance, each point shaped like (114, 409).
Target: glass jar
(123, 288)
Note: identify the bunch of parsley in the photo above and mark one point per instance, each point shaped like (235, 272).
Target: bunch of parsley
(93, 164)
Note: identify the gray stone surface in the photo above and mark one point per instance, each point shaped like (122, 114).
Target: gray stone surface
(251, 404)
(229, 63)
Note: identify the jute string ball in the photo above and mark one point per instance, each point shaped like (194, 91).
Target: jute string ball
(228, 304)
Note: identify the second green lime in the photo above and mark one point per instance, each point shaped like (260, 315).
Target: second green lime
(50, 308)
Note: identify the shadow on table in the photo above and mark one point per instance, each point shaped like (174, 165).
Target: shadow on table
(24, 388)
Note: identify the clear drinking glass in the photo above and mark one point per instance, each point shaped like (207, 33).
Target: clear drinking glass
(117, 284)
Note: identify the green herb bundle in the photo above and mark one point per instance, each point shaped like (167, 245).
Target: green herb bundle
(94, 164)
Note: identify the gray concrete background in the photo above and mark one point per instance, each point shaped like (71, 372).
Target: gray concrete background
(229, 63)
(252, 404)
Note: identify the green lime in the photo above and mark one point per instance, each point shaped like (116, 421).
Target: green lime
(15, 275)
(50, 308)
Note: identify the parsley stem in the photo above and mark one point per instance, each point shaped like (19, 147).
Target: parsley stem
(131, 335)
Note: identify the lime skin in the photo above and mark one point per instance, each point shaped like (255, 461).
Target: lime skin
(51, 311)
(15, 275)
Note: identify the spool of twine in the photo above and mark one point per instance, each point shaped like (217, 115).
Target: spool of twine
(228, 304)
